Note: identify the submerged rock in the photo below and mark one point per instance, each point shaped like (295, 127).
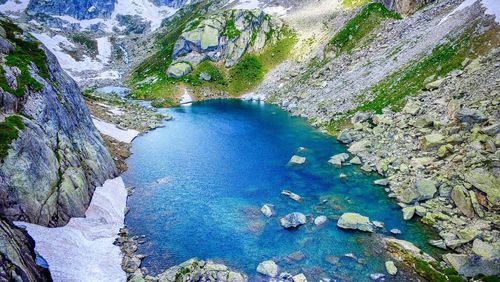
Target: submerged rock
(267, 210)
(391, 267)
(291, 195)
(299, 278)
(293, 220)
(268, 268)
(298, 160)
(320, 220)
(355, 221)
(339, 159)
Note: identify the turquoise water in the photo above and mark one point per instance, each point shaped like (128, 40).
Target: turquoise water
(201, 180)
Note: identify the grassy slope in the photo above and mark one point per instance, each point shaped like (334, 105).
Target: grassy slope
(244, 76)
(357, 28)
(392, 90)
(27, 52)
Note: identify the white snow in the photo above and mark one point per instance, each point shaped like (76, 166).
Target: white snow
(14, 6)
(254, 97)
(492, 8)
(145, 9)
(56, 44)
(186, 99)
(104, 49)
(109, 74)
(111, 130)
(255, 4)
(83, 250)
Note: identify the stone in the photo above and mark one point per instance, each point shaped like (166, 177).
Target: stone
(355, 221)
(468, 233)
(366, 168)
(444, 150)
(268, 268)
(411, 108)
(470, 116)
(381, 182)
(359, 147)
(462, 201)
(361, 117)
(293, 220)
(434, 84)
(432, 140)
(205, 76)
(297, 160)
(424, 190)
(344, 137)
(486, 183)
(320, 220)
(356, 160)
(408, 213)
(377, 276)
(438, 243)
(343, 176)
(486, 250)
(420, 211)
(475, 204)
(395, 231)
(470, 266)
(339, 159)
(296, 256)
(299, 278)
(378, 224)
(267, 210)
(491, 130)
(178, 70)
(391, 267)
(291, 195)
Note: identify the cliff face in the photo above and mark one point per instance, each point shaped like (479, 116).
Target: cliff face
(55, 157)
(17, 261)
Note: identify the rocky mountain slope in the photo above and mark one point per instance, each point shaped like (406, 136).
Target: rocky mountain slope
(51, 155)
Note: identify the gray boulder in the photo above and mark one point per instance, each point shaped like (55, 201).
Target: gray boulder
(339, 159)
(293, 220)
(355, 221)
(470, 116)
(268, 268)
(424, 189)
(178, 70)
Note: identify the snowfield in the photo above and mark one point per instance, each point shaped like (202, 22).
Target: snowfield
(83, 250)
(111, 130)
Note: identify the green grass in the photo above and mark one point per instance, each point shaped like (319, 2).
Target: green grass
(230, 31)
(392, 90)
(357, 28)
(245, 74)
(8, 132)
(85, 41)
(27, 51)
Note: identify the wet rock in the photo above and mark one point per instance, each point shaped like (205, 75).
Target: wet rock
(378, 224)
(291, 195)
(267, 210)
(299, 278)
(268, 268)
(377, 276)
(355, 221)
(293, 220)
(381, 182)
(320, 220)
(395, 231)
(408, 213)
(391, 267)
(297, 160)
(339, 159)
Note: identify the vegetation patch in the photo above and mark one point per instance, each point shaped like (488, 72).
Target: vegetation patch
(351, 4)
(9, 130)
(357, 28)
(86, 41)
(27, 51)
(231, 32)
(410, 80)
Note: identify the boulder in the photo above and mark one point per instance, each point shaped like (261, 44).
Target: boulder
(424, 190)
(487, 183)
(470, 266)
(391, 267)
(432, 140)
(268, 268)
(205, 76)
(470, 116)
(395, 231)
(486, 250)
(299, 278)
(408, 212)
(359, 147)
(462, 201)
(291, 195)
(356, 161)
(339, 159)
(293, 220)
(475, 204)
(297, 160)
(411, 108)
(361, 117)
(377, 276)
(178, 70)
(381, 182)
(320, 220)
(355, 221)
(434, 84)
(267, 210)
(344, 137)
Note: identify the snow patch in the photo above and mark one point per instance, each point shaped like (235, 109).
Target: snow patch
(104, 49)
(111, 130)
(144, 8)
(83, 250)
(56, 44)
(186, 99)
(256, 4)
(253, 97)
(492, 8)
(14, 6)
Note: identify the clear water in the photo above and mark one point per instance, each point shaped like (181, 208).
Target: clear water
(201, 180)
